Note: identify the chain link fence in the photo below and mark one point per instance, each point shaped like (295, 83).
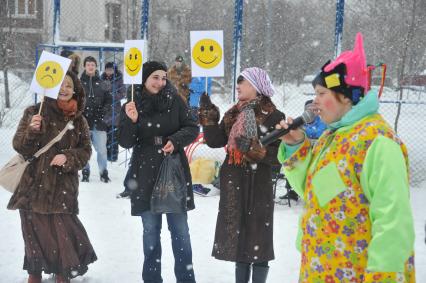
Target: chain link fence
(291, 40)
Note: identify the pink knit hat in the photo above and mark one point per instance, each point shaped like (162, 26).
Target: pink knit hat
(355, 63)
(259, 80)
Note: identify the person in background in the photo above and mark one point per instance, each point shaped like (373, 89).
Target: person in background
(75, 63)
(357, 225)
(156, 123)
(55, 239)
(114, 79)
(197, 88)
(244, 227)
(75, 60)
(98, 106)
(180, 75)
(313, 131)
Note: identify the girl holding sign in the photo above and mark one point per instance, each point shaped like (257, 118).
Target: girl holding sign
(158, 122)
(55, 239)
(244, 227)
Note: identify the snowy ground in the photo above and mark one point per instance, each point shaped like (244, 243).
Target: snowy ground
(117, 237)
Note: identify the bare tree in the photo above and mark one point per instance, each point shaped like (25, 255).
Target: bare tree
(404, 54)
(6, 41)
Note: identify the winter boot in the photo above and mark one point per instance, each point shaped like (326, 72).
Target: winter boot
(242, 272)
(124, 194)
(86, 174)
(104, 176)
(292, 195)
(61, 279)
(259, 273)
(34, 278)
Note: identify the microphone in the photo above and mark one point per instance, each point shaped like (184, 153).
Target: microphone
(307, 117)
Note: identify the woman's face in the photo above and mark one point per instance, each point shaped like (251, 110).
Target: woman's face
(156, 82)
(330, 109)
(246, 91)
(67, 89)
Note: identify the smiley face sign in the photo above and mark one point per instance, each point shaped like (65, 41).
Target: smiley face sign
(207, 53)
(49, 74)
(133, 60)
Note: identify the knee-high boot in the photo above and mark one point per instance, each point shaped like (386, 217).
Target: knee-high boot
(242, 272)
(260, 273)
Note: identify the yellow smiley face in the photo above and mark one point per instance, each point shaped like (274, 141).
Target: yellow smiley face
(133, 61)
(207, 53)
(49, 74)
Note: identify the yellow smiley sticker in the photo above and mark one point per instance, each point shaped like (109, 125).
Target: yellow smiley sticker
(49, 74)
(207, 53)
(133, 61)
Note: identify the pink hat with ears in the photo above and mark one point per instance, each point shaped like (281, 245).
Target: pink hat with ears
(355, 63)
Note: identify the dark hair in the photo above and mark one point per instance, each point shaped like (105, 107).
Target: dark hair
(89, 59)
(109, 65)
(78, 88)
(66, 53)
(179, 58)
(240, 79)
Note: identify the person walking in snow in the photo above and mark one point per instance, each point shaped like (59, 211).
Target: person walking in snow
(98, 105)
(156, 123)
(357, 225)
(114, 80)
(55, 239)
(244, 227)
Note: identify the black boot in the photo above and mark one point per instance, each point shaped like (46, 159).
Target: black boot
(291, 194)
(242, 272)
(259, 274)
(124, 194)
(86, 174)
(104, 176)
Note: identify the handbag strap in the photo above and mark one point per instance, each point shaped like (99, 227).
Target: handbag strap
(45, 148)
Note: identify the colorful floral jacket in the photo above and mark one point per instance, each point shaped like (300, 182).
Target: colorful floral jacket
(357, 224)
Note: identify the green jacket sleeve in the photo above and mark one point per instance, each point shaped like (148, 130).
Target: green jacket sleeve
(384, 179)
(295, 160)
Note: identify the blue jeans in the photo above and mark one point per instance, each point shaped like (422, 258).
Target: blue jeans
(99, 140)
(181, 245)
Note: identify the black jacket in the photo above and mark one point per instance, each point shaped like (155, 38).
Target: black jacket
(162, 117)
(98, 101)
(117, 90)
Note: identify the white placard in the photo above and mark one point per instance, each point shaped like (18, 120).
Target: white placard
(49, 74)
(133, 60)
(207, 53)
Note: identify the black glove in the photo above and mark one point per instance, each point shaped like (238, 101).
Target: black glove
(208, 113)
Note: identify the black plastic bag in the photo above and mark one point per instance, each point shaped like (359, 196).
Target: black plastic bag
(170, 189)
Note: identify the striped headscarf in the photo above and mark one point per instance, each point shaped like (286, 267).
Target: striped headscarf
(259, 80)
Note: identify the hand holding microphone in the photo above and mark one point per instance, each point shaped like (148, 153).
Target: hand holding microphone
(289, 131)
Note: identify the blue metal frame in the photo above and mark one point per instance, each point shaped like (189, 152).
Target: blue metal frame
(238, 35)
(338, 33)
(144, 19)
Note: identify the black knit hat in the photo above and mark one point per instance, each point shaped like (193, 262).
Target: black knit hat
(337, 77)
(150, 67)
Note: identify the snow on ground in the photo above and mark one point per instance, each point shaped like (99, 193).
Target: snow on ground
(117, 236)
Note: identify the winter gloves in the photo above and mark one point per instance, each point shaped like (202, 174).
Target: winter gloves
(208, 113)
(253, 151)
